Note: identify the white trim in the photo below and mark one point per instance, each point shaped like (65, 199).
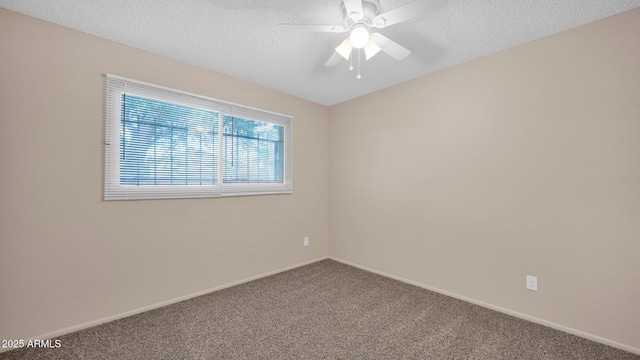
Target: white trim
(520, 315)
(589, 336)
(58, 333)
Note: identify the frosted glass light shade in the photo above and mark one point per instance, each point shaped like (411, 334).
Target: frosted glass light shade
(359, 37)
(344, 49)
(371, 49)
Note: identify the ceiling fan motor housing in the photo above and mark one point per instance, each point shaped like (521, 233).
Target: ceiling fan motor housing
(369, 11)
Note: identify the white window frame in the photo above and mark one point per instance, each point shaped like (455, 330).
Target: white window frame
(117, 85)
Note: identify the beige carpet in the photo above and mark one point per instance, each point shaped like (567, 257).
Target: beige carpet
(325, 310)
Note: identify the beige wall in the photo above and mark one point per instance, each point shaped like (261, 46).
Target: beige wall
(523, 162)
(66, 256)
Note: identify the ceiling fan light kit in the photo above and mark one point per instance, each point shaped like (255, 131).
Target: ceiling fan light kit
(359, 17)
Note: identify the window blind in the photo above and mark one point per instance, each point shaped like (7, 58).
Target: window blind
(165, 143)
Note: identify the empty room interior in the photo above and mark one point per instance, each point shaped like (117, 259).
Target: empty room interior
(496, 175)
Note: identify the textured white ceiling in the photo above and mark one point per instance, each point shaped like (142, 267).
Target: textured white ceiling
(241, 38)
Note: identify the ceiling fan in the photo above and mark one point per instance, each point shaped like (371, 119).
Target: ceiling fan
(359, 17)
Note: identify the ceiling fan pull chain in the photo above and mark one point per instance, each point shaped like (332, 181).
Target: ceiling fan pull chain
(359, 76)
(350, 62)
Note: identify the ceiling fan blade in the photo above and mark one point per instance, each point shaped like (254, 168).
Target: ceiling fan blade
(390, 47)
(334, 59)
(405, 12)
(313, 28)
(353, 9)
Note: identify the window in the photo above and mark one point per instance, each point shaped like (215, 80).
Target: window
(163, 143)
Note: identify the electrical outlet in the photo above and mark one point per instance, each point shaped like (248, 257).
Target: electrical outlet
(306, 241)
(532, 283)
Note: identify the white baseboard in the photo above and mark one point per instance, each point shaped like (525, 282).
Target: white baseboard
(533, 319)
(58, 333)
